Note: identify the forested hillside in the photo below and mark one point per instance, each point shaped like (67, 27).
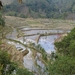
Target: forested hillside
(42, 8)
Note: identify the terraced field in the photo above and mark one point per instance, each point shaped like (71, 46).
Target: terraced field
(39, 23)
(23, 33)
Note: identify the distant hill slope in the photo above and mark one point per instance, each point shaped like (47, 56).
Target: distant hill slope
(6, 1)
(42, 8)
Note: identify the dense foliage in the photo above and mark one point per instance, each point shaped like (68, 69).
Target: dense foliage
(63, 66)
(42, 8)
(5, 64)
(67, 45)
(65, 63)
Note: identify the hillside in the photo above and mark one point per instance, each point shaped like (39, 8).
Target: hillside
(23, 40)
(5, 2)
(67, 45)
(42, 8)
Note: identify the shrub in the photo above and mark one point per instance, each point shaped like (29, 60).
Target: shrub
(64, 65)
(2, 22)
(22, 16)
(21, 71)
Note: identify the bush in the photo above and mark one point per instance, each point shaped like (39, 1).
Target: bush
(62, 66)
(21, 71)
(11, 13)
(67, 45)
(22, 16)
(5, 63)
(1, 67)
(2, 22)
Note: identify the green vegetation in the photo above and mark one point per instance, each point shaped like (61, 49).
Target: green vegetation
(2, 22)
(43, 8)
(65, 63)
(7, 67)
(67, 45)
(43, 52)
(23, 72)
(39, 49)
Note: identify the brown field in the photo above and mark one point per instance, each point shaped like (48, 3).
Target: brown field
(39, 23)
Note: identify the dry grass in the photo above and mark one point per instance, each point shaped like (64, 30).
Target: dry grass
(40, 23)
(16, 56)
(4, 31)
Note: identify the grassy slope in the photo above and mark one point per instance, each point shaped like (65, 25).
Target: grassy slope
(40, 23)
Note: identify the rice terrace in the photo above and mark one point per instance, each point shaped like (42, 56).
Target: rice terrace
(37, 38)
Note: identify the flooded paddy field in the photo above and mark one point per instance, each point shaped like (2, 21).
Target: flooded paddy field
(38, 31)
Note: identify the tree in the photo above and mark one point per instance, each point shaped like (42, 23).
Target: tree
(62, 66)
(65, 63)
(67, 45)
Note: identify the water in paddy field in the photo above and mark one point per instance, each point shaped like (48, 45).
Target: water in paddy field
(47, 42)
(36, 31)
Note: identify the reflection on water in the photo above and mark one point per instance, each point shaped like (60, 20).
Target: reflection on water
(32, 37)
(47, 42)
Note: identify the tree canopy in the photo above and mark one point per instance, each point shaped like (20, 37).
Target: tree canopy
(67, 45)
(43, 8)
(65, 63)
